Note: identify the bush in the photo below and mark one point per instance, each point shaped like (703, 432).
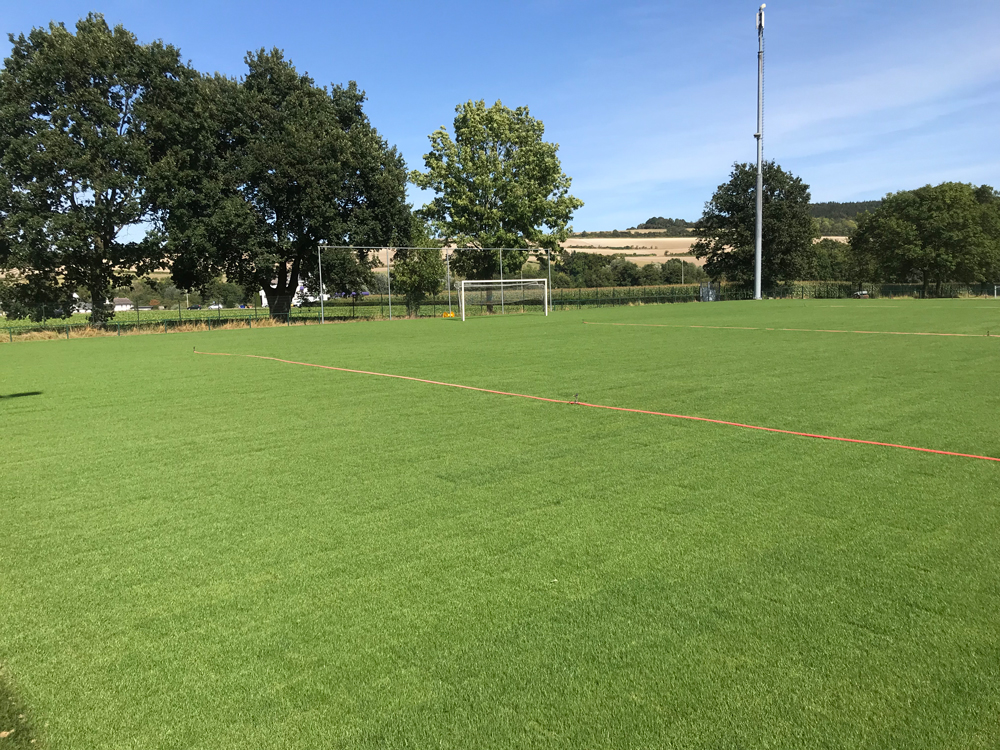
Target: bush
(417, 274)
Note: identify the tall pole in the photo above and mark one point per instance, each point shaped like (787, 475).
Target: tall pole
(447, 270)
(319, 263)
(388, 280)
(549, 290)
(758, 232)
(501, 281)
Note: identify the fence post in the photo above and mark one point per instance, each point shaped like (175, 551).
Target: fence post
(164, 325)
(67, 333)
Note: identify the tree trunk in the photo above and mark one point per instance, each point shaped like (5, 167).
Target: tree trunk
(278, 301)
(939, 285)
(927, 279)
(279, 296)
(98, 312)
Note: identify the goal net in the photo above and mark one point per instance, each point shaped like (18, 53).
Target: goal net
(503, 297)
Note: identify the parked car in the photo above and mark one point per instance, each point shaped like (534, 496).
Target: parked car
(194, 307)
(863, 294)
(216, 306)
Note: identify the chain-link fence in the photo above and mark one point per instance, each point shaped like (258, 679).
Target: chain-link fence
(846, 290)
(381, 306)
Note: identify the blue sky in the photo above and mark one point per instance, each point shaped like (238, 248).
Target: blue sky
(651, 102)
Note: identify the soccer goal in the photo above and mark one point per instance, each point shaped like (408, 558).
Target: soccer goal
(502, 297)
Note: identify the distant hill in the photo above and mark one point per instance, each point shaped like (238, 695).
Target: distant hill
(834, 210)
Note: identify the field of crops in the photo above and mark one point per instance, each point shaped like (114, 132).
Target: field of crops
(236, 552)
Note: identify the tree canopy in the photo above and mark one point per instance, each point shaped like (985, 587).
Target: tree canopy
(498, 184)
(281, 166)
(75, 149)
(934, 234)
(417, 273)
(726, 230)
(833, 210)
(583, 269)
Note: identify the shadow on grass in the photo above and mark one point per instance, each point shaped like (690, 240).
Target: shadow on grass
(16, 727)
(20, 395)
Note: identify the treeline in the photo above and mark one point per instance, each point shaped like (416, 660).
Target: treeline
(850, 210)
(582, 269)
(930, 236)
(824, 227)
(119, 161)
(155, 293)
(833, 219)
(670, 227)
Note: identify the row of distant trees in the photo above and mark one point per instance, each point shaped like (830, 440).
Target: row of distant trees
(118, 160)
(931, 236)
(583, 269)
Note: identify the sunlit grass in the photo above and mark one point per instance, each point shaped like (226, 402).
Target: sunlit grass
(228, 552)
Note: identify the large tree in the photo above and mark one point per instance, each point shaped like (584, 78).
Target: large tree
(75, 115)
(934, 234)
(418, 273)
(499, 184)
(726, 230)
(267, 169)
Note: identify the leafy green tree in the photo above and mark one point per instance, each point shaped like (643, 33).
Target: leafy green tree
(726, 229)
(834, 210)
(830, 260)
(225, 293)
(989, 265)
(651, 274)
(418, 273)
(934, 234)
(624, 272)
(579, 263)
(824, 227)
(345, 271)
(269, 168)
(498, 185)
(677, 271)
(75, 149)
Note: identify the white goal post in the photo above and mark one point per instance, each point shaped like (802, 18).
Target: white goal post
(498, 296)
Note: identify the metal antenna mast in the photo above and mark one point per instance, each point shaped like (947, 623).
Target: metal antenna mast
(759, 135)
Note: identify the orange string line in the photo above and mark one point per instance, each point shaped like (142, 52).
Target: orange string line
(611, 408)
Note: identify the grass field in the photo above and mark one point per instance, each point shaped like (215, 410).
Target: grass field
(223, 552)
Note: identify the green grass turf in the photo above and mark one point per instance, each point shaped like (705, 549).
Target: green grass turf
(220, 552)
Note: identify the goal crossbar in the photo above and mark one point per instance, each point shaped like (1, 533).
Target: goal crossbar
(502, 285)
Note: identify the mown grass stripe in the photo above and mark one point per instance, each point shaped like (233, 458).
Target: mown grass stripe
(613, 408)
(796, 330)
